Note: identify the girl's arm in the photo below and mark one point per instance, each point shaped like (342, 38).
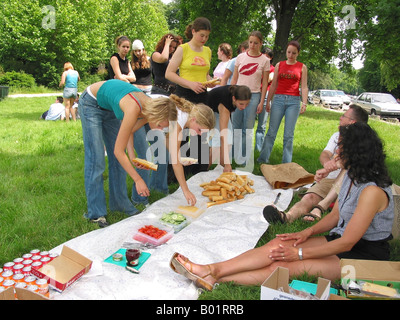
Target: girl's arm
(63, 76)
(174, 144)
(131, 115)
(263, 90)
(224, 116)
(272, 88)
(304, 89)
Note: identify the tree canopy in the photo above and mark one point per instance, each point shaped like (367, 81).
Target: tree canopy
(38, 36)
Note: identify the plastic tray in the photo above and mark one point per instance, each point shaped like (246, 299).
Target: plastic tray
(192, 214)
(144, 238)
(177, 227)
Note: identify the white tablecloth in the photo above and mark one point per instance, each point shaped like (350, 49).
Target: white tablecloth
(220, 233)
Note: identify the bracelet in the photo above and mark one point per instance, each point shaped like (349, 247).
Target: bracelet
(301, 253)
(305, 104)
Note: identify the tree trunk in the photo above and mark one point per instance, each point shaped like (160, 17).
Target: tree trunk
(284, 12)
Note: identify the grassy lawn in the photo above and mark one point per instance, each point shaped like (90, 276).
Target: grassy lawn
(42, 197)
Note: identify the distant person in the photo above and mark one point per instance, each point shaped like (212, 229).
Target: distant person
(120, 67)
(56, 111)
(230, 67)
(69, 79)
(225, 55)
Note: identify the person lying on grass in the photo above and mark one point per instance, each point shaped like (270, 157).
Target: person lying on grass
(359, 225)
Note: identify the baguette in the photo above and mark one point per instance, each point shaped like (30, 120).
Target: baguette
(211, 193)
(147, 164)
(226, 188)
(212, 82)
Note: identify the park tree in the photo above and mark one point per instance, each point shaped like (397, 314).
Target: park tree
(38, 36)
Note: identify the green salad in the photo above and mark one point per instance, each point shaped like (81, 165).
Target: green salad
(173, 218)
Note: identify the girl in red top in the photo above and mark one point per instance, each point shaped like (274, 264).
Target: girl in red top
(288, 77)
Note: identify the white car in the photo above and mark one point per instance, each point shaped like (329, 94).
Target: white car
(345, 98)
(328, 98)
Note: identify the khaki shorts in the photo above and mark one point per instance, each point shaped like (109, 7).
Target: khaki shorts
(322, 188)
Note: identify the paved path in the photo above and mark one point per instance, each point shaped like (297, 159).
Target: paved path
(34, 95)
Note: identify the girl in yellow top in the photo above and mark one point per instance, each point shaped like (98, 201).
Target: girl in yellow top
(193, 61)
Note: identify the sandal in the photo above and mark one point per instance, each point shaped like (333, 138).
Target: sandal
(314, 216)
(180, 268)
(272, 214)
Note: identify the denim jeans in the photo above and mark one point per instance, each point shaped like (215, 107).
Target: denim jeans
(261, 127)
(282, 106)
(242, 122)
(100, 128)
(155, 180)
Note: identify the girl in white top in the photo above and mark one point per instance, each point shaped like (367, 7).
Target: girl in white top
(252, 70)
(225, 55)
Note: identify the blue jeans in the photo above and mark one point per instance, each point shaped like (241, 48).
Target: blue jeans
(242, 122)
(282, 106)
(100, 128)
(155, 180)
(261, 127)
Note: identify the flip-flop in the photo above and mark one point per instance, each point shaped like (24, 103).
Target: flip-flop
(178, 267)
(272, 214)
(314, 216)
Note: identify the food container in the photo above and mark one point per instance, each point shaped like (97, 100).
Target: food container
(177, 226)
(142, 236)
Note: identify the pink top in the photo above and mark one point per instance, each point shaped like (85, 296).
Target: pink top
(251, 69)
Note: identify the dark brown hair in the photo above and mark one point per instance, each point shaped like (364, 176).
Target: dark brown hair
(198, 24)
(294, 43)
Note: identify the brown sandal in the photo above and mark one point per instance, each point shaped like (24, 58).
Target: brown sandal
(314, 216)
(180, 268)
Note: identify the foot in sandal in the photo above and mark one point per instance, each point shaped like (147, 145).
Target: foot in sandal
(201, 275)
(315, 214)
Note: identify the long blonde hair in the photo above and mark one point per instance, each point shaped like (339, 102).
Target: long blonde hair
(161, 109)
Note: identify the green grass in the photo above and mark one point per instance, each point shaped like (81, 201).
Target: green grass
(42, 198)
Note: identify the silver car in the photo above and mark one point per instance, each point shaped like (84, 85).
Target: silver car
(328, 98)
(383, 104)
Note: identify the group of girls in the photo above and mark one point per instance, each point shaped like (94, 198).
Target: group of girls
(118, 115)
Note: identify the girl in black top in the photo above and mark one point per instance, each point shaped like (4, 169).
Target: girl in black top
(223, 101)
(164, 50)
(120, 68)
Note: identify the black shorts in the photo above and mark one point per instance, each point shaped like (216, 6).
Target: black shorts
(365, 250)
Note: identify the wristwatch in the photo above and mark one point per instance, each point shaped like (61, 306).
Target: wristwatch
(301, 253)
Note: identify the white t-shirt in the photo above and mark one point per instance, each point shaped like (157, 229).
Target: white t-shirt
(332, 147)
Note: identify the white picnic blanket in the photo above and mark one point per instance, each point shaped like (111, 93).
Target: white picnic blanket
(220, 233)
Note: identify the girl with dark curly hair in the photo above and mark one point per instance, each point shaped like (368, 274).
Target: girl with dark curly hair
(359, 225)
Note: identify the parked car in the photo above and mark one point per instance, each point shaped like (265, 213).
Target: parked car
(328, 98)
(345, 98)
(383, 104)
(310, 95)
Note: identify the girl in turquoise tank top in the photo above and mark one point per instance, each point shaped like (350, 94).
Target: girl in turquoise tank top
(111, 111)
